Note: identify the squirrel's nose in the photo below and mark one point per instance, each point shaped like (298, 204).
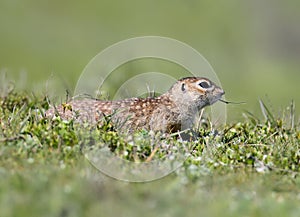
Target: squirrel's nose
(220, 91)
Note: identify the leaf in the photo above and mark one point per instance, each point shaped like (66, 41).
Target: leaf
(266, 112)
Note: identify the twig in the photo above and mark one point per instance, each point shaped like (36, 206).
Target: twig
(152, 154)
(12, 138)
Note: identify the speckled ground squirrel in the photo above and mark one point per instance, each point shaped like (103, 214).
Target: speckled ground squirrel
(173, 111)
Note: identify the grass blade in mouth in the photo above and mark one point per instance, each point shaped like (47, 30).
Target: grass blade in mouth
(229, 102)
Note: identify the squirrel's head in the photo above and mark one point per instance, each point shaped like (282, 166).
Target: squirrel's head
(196, 92)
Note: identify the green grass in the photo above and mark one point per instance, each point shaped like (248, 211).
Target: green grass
(247, 168)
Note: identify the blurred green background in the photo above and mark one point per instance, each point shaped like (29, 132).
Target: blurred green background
(254, 46)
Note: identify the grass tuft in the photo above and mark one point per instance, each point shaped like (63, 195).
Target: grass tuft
(249, 161)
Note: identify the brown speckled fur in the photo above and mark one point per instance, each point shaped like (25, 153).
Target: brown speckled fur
(174, 110)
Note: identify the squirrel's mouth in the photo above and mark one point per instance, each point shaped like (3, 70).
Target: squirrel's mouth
(217, 97)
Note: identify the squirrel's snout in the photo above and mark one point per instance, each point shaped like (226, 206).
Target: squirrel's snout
(219, 91)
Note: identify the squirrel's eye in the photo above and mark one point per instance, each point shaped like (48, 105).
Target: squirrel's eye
(204, 84)
(183, 87)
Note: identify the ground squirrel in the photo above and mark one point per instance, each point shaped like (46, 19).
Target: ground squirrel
(173, 111)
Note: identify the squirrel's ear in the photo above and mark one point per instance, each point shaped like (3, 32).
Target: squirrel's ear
(183, 86)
